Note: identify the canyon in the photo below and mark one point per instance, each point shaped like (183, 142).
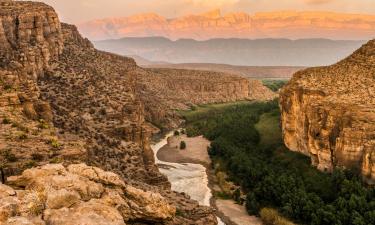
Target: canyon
(328, 113)
(76, 126)
(278, 24)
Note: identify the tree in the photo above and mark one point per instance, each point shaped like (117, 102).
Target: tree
(182, 145)
(252, 205)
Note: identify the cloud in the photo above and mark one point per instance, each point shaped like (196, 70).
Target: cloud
(318, 2)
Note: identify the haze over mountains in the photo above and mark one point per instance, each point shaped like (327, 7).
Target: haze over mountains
(245, 52)
(282, 24)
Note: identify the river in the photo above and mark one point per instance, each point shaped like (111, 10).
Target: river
(189, 178)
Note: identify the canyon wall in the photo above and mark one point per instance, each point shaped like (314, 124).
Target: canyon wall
(328, 113)
(62, 101)
(165, 91)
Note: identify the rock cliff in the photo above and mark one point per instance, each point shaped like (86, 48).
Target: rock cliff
(63, 101)
(164, 91)
(279, 24)
(328, 113)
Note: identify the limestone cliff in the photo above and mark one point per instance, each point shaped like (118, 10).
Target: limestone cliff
(328, 113)
(63, 101)
(278, 24)
(164, 91)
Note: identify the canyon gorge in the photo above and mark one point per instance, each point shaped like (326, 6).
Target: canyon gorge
(64, 104)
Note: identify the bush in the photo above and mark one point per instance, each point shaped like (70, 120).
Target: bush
(176, 133)
(54, 143)
(252, 205)
(22, 136)
(6, 121)
(37, 156)
(182, 145)
(271, 217)
(9, 156)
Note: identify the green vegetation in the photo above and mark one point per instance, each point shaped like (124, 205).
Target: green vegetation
(183, 145)
(274, 85)
(176, 133)
(22, 136)
(246, 141)
(9, 156)
(272, 217)
(54, 143)
(37, 156)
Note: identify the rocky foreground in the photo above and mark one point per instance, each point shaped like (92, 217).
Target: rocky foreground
(328, 113)
(65, 105)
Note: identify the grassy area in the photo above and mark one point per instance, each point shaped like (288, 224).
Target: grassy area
(274, 85)
(202, 111)
(269, 128)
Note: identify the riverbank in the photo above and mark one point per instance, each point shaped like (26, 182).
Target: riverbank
(196, 152)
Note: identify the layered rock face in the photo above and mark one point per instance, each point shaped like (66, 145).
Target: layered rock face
(30, 37)
(166, 90)
(77, 194)
(328, 113)
(282, 24)
(63, 101)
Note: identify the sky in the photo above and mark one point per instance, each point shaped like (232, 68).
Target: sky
(76, 11)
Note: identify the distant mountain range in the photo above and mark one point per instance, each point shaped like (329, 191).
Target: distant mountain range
(245, 52)
(283, 24)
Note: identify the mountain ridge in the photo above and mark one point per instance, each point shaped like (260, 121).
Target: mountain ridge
(239, 52)
(213, 24)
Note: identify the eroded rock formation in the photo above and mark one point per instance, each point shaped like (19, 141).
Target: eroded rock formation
(164, 91)
(77, 194)
(63, 101)
(328, 113)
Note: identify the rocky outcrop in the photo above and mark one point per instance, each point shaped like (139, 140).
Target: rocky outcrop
(282, 24)
(77, 194)
(328, 113)
(30, 38)
(164, 91)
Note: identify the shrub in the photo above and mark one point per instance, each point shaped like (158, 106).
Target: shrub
(37, 156)
(252, 205)
(6, 121)
(30, 164)
(9, 156)
(43, 124)
(182, 145)
(54, 143)
(272, 217)
(22, 136)
(176, 133)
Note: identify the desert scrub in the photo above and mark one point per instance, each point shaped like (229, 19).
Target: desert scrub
(30, 164)
(272, 217)
(43, 124)
(6, 121)
(37, 156)
(54, 143)
(9, 156)
(55, 160)
(22, 136)
(183, 145)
